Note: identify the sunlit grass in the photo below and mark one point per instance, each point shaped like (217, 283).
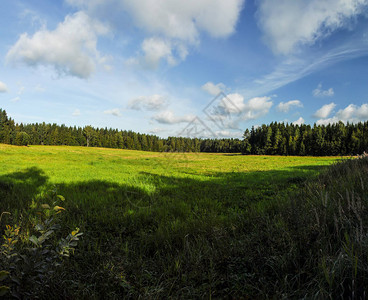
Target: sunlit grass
(72, 164)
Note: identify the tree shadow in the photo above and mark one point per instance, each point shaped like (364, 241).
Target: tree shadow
(144, 224)
(17, 189)
(152, 197)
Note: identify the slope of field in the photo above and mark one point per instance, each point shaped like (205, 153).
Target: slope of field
(155, 224)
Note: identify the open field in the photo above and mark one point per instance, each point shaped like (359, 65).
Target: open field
(100, 178)
(155, 225)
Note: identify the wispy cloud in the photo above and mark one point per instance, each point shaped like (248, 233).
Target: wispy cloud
(16, 99)
(115, 112)
(152, 103)
(76, 113)
(296, 67)
(168, 117)
(319, 92)
(213, 89)
(285, 107)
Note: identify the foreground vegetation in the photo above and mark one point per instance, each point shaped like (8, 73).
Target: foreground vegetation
(196, 225)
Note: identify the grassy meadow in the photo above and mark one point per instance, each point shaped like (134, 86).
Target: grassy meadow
(190, 225)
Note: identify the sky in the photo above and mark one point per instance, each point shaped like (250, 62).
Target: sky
(198, 68)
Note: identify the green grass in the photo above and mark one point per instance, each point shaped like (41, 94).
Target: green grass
(166, 225)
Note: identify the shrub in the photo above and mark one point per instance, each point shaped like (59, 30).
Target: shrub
(31, 253)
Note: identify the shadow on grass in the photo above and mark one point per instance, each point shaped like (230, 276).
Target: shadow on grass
(108, 201)
(18, 189)
(161, 228)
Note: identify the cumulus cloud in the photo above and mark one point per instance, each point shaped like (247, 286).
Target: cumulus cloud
(172, 25)
(154, 50)
(319, 92)
(213, 89)
(168, 117)
(299, 122)
(256, 108)
(230, 109)
(352, 113)
(3, 87)
(288, 23)
(115, 112)
(154, 102)
(70, 48)
(324, 111)
(285, 107)
(174, 19)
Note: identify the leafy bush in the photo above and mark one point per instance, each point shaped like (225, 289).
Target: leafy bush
(31, 252)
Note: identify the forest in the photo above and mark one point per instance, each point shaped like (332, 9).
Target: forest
(273, 139)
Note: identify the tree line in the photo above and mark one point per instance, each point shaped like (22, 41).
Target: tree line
(273, 139)
(289, 139)
(53, 134)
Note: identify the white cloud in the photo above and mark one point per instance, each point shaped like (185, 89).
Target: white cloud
(168, 117)
(324, 111)
(157, 130)
(362, 112)
(115, 112)
(16, 99)
(352, 113)
(229, 134)
(155, 49)
(299, 122)
(232, 108)
(213, 89)
(172, 25)
(289, 23)
(3, 87)
(319, 92)
(154, 102)
(257, 107)
(76, 113)
(21, 90)
(285, 107)
(70, 48)
(174, 19)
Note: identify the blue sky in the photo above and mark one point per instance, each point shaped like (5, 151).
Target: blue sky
(154, 66)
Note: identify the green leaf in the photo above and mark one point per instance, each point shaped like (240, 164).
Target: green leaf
(34, 240)
(3, 275)
(3, 290)
(61, 197)
(40, 227)
(41, 239)
(57, 208)
(45, 206)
